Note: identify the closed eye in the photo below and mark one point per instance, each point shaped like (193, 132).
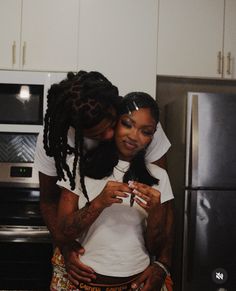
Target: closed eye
(148, 132)
(126, 123)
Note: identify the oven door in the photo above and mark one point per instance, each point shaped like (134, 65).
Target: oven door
(20, 207)
(24, 234)
(25, 243)
(25, 265)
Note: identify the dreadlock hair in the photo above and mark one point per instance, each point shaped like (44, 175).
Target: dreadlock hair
(105, 157)
(81, 100)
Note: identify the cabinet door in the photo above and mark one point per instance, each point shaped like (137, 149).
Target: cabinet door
(119, 39)
(50, 35)
(190, 36)
(230, 39)
(10, 15)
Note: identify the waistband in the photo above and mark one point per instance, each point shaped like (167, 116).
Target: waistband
(104, 287)
(63, 284)
(102, 279)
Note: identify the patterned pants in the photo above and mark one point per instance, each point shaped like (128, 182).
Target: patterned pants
(60, 281)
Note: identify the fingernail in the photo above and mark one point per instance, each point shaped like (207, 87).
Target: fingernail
(135, 191)
(131, 184)
(134, 286)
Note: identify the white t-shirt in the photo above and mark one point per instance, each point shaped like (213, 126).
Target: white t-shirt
(46, 165)
(114, 244)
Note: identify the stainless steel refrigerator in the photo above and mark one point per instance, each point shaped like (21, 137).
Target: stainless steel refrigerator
(202, 166)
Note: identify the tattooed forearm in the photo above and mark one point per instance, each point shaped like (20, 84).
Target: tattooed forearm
(165, 255)
(160, 233)
(155, 230)
(79, 222)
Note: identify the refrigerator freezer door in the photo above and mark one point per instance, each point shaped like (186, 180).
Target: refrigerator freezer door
(213, 140)
(210, 239)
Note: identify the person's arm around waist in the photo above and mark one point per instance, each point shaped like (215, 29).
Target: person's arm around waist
(49, 200)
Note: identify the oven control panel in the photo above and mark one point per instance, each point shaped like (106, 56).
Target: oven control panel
(19, 175)
(21, 171)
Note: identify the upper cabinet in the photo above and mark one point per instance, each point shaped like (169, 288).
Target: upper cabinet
(230, 40)
(197, 38)
(10, 28)
(39, 35)
(119, 39)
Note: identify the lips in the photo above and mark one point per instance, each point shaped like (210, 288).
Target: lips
(129, 145)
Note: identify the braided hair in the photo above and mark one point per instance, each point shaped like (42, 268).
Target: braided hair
(105, 156)
(81, 101)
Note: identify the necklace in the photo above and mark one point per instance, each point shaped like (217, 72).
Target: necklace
(120, 170)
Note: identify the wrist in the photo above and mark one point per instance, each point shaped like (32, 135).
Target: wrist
(71, 246)
(162, 266)
(96, 206)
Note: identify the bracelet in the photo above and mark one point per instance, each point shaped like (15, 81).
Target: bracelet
(164, 268)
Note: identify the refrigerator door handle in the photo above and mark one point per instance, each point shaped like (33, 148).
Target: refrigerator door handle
(194, 139)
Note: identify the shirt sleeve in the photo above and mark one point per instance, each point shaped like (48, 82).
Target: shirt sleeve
(165, 188)
(45, 164)
(42, 162)
(66, 183)
(158, 146)
(164, 185)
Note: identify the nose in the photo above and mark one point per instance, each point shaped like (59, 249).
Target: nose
(108, 134)
(133, 134)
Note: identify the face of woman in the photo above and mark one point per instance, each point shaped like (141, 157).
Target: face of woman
(134, 132)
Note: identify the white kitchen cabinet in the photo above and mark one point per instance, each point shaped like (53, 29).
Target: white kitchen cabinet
(50, 34)
(197, 38)
(46, 34)
(230, 40)
(10, 22)
(190, 37)
(119, 39)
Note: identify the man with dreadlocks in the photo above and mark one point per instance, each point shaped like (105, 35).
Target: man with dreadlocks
(126, 220)
(81, 111)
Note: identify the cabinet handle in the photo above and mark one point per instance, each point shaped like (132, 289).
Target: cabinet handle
(14, 53)
(228, 70)
(24, 53)
(219, 61)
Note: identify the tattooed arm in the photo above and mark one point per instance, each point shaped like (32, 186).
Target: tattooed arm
(160, 233)
(73, 222)
(158, 236)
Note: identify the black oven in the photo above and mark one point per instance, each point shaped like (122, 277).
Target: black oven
(25, 242)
